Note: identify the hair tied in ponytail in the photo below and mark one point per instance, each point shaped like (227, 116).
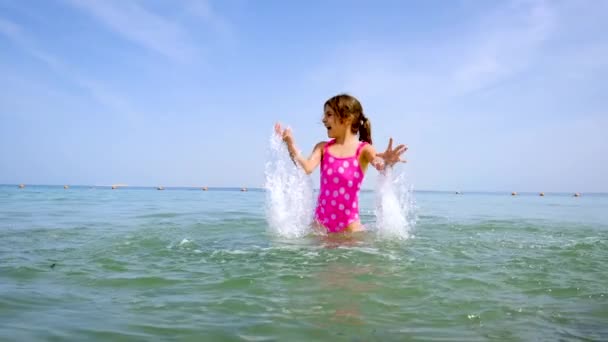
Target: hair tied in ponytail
(363, 119)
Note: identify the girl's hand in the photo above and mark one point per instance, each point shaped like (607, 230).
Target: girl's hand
(287, 137)
(285, 134)
(392, 156)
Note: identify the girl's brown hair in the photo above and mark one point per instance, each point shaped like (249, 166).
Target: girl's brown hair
(347, 106)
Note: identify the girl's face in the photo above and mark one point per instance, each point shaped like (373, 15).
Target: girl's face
(335, 128)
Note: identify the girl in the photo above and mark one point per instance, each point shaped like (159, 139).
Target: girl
(344, 160)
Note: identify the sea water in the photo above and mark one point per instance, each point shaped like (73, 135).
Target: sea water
(137, 264)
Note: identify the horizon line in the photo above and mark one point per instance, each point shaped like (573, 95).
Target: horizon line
(126, 186)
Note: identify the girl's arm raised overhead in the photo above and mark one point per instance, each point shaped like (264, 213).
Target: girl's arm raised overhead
(389, 157)
(308, 165)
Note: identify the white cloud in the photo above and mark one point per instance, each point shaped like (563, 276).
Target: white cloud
(142, 26)
(16, 34)
(506, 44)
(497, 47)
(100, 92)
(8, 28)
(202, 9)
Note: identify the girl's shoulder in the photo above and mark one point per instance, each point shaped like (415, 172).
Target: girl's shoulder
(320, 146)
(368, 151)
(323, 143)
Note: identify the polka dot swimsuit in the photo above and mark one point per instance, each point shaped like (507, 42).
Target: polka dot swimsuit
(338, 202)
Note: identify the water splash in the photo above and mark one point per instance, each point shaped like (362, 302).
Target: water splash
(395, 206)
(289, 195)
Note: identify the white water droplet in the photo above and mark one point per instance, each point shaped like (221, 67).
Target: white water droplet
(289, 195)
(395, 215)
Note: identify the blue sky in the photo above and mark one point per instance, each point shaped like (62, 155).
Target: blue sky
(499, 96)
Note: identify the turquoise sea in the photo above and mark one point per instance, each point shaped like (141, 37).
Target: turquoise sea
(137, 264)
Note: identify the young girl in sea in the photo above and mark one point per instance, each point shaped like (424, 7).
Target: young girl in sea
(344, 160)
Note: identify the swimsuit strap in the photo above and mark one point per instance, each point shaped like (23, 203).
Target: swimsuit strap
(329, 143)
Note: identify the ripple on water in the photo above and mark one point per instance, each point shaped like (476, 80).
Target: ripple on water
(160, 215)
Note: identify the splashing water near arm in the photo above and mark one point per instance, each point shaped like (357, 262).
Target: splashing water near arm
(394, 202)
(395, 205)
(289, 195)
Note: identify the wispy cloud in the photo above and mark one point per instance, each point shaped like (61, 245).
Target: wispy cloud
(497, 47)
(15, 33)
(219, 24)
(142, 26)
(8, 28)
(506, 44)
(96, 89)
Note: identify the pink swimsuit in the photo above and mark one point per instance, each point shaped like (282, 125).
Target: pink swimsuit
(341, 178)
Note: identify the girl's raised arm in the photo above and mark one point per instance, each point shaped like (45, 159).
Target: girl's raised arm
(308, 164)
(389, 157)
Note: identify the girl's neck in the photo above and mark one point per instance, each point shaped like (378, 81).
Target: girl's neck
(347, 139)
